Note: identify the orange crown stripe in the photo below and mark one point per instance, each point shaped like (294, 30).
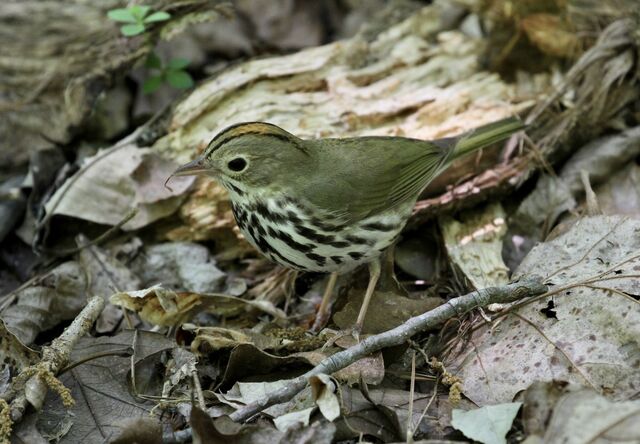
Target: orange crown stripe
(250, 128)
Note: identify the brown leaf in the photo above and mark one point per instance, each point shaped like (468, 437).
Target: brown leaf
(369, 370)
(56, 296)
(111, 183)
(105, 402)
(142, 430)
(159, 306)
(246, 360)
(106, 273)
(323, 390)
(387, 310)
(621, 193)
(179, 266)
(204, 432)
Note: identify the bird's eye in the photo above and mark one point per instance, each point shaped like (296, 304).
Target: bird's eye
(238, 164)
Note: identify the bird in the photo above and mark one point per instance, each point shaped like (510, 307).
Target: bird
(329, 205)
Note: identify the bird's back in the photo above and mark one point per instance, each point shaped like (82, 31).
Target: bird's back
(357, 178)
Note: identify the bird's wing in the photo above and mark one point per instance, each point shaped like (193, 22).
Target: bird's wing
(358, 178)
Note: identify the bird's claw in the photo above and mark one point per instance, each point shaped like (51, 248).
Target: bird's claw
(354, 332)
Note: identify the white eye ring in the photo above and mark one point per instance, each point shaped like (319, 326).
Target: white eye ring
(237, 164)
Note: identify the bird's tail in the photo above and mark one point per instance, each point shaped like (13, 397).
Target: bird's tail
(486, 135)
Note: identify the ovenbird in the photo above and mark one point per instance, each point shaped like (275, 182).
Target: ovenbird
(329, 205)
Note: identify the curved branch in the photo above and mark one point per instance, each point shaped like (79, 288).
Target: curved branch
(396, 336)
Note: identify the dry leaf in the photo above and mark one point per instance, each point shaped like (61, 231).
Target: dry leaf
(105, 400)
(621, 193)
(582, 416)
(387, 310)
(369, 369)
(159, 306)
(14, 355)
(488, 424)
(111, 183)
(585, 332)
(323, 389)
(56, 296)
(179, 266)
(293, 419)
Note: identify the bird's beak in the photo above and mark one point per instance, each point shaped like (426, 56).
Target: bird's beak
(192, 168)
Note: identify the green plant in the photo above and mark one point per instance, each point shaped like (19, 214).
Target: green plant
(136, 17)
(172, 73)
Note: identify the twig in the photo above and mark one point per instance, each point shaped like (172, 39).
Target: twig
(122, 353)
(93, 242)
(54, 358)
(426, 407)
(411, 394)
(396, 336)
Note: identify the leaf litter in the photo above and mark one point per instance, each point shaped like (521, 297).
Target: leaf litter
(236, 326)
(592, 340)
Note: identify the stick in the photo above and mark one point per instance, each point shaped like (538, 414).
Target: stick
(55, 357)
(396, 336)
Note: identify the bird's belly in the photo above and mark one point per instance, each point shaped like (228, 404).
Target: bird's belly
(295, 240)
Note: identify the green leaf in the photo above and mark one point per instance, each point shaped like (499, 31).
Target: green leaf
(179, 79)
(489, 424)
(121, 15)
(157, 17)
(151, 84)
(139, 11)
(178, 64)
(153, 61)
(132, 29)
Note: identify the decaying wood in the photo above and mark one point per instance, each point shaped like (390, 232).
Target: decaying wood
(413, 80)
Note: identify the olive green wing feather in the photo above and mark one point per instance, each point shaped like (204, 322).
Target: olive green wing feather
(357, 178)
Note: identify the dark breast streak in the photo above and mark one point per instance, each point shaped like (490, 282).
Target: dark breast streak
(290, 237)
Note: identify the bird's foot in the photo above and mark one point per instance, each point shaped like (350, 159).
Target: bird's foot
(344, 338)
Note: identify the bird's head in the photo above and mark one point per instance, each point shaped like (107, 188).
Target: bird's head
(250, 156)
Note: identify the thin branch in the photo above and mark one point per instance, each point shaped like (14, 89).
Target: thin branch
(54, 358)
(59, 252)
(411, 395)
(395, 336)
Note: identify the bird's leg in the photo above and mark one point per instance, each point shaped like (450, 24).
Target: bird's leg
(323, 310)
(388, 280)
(374, 275)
